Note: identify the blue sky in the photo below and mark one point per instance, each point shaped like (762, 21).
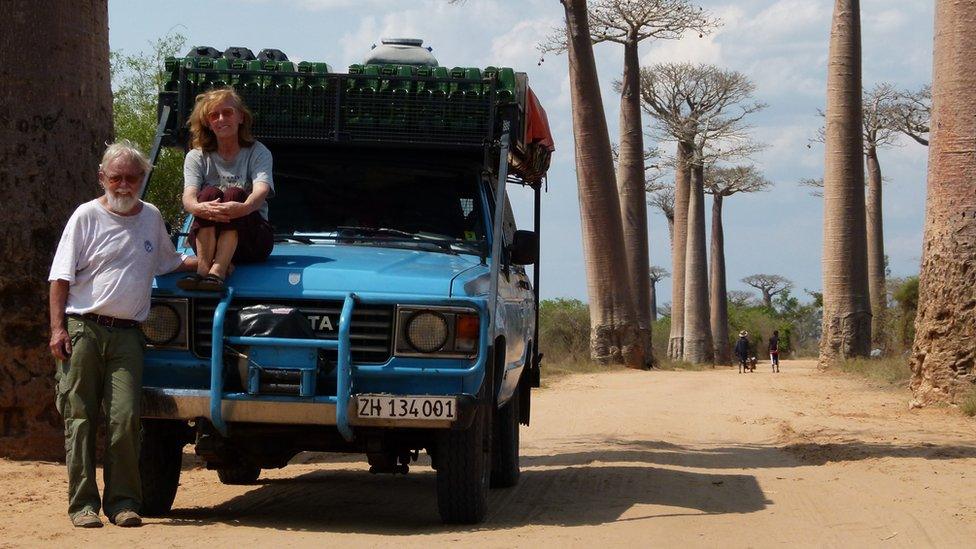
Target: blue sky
(780, 44)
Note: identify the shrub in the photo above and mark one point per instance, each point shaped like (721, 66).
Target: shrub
(564, 330)
(968, 404)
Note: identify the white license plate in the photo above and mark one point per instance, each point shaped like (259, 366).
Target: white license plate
(406, 407)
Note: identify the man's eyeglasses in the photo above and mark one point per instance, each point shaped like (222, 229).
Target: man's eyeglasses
(130, 178)
(228, 112)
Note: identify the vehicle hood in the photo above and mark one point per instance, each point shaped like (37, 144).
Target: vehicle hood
(295, 269)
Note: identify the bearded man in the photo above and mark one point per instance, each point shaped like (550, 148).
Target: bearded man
(101, 278)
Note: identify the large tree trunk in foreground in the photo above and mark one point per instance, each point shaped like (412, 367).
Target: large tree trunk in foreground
(633, 196)
(944, 352)
(847, 313)
(613, 319)
(682, 183)
(55, 116)
(698, 331)
(717, 288)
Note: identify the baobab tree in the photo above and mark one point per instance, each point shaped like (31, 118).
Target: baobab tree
(656, 274)
(879, 132)
(703, 108)
(912, 113)
(55, 118)
(739, 298)
(663, 199)
(769, 286)
(614, 334)
(721, 183)
(628, 23)
(943, 358)
(846, 312)
(880, 127)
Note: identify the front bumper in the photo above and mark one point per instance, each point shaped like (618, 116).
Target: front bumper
(191, 404)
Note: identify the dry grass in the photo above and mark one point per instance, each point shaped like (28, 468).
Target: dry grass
(968, 404)
(554, 369)
(889, 371)
(672, 365)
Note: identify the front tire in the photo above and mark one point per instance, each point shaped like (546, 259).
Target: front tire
(160, 461)
(463, 470)
(240, 474)
(505, 446)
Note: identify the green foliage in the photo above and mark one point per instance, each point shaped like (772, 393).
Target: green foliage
(564, 330)
(891, 371)
(660, 334)
(899, 319)
(136, 81)
(798, 324)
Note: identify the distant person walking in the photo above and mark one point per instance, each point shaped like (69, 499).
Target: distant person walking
(774, 351)
(742, 351)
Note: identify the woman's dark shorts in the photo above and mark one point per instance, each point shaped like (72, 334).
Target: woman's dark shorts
(255, 236)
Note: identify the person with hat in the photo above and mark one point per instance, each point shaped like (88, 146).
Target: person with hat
(742, 350)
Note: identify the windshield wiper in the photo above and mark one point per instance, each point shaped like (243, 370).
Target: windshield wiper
(397, 234)
(288, 237)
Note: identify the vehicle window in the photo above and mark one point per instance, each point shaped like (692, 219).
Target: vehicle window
(412, 200)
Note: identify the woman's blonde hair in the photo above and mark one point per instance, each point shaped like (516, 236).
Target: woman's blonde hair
(202, 137)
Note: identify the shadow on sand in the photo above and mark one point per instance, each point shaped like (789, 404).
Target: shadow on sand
(588, 487)
(355, 501)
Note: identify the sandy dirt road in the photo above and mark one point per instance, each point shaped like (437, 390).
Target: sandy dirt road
(625, 458)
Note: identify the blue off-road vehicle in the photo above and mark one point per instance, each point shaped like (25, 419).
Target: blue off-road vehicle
(395, 314)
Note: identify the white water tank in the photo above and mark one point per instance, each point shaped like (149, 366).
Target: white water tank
(400, 51)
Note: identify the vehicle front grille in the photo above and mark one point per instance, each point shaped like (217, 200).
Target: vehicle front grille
(370, 334)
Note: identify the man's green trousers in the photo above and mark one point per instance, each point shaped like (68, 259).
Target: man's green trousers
(103, 373)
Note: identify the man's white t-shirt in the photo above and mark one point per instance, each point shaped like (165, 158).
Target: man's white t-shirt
(109, 260)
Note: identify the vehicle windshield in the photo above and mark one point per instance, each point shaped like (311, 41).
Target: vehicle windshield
(366, 204)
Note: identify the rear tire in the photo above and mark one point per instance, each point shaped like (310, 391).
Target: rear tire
(463, 470)
(505, 446)
(241, 474)
(160, 461)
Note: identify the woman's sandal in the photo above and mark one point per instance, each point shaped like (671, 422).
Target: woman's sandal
(189, 282)
(211, 283)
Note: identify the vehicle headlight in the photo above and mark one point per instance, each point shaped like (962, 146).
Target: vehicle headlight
(166, 325)
(441, 332)
(427, 331)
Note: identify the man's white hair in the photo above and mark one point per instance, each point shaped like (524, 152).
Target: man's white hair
(127, 150)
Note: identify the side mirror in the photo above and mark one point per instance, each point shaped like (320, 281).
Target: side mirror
(525, 248)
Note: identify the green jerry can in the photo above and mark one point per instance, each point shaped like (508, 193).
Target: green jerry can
(364, 86)
(464, 99)
(311, 94)
(280, 92)
(251, 88)
(504, 83)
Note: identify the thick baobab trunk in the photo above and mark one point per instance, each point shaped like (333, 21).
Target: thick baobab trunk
(767, 299)
(630, 186)
(944, 352)
(682, 183)
(55, 116)
(613, 319)
(875, 238)
(718, 296)
(847, 312)
(698, 331)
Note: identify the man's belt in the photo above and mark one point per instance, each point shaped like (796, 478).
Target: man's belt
(109, 321)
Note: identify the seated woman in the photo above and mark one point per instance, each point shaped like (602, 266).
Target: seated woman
(227, 177)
